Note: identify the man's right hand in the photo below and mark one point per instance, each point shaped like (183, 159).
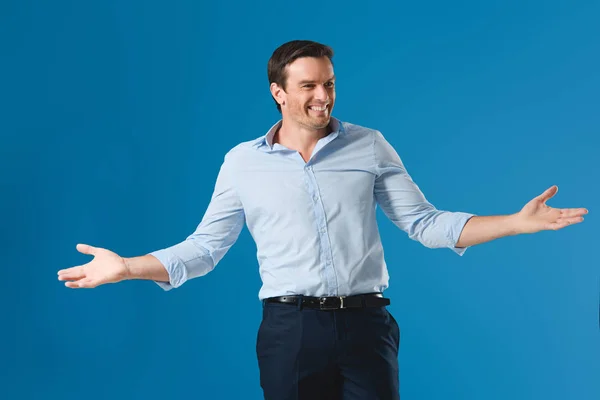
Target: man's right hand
(106, 267)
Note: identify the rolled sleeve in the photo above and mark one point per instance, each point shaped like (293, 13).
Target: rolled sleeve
(174, 268)
(183, 261)
(461, 219)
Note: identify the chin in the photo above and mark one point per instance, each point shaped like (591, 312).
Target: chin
(319, 124)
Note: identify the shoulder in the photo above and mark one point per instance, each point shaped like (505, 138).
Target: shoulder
(361, 133)
(242, 154)
(381, 148)
(356, 129)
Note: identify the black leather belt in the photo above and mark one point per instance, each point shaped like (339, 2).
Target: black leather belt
(333, 303)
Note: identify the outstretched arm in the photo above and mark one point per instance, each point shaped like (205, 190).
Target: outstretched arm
(170, 267)
(534, 217)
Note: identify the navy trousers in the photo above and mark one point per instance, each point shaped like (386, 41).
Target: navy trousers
(314, 354)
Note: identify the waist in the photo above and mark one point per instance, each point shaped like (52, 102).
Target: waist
(332, 302)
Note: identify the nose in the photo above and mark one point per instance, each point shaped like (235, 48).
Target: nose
(321, 93)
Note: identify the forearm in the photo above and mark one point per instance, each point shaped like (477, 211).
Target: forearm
(484, 229)
(146, 267)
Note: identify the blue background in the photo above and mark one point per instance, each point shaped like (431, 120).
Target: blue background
(114, 120)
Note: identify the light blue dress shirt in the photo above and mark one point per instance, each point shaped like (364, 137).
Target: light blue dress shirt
(313, 222)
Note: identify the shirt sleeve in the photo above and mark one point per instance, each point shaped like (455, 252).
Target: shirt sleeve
(214, 236)
(405, 205)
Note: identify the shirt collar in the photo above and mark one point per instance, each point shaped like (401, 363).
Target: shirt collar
(335, 124)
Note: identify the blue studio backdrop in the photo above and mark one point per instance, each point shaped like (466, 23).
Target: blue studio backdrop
(114, 120)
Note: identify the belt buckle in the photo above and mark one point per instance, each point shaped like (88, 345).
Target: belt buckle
(326, 305)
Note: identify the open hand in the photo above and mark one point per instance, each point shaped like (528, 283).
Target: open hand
(106, 267)
(537, 216)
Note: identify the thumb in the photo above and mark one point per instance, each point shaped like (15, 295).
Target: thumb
(86, 249)
(548, 194)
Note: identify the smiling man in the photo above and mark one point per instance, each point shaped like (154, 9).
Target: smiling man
(308, 192)
(304, 91)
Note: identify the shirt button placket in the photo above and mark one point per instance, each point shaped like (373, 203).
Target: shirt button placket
(322, 232)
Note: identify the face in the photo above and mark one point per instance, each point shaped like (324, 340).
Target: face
(309, 93)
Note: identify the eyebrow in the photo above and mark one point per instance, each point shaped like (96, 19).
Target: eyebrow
(309, 81)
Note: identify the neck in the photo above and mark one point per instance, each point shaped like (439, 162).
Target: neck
(299, 137)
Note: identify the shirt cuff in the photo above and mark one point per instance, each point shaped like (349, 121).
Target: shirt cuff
(174, 266)
(456, 229)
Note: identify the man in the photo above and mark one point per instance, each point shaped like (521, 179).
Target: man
(308, 191)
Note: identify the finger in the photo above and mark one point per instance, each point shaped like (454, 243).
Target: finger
(71, 273)
(72, 285)
(563, 222)
(71, 278)
(80, 284)
(86, 249)
(573, 212)
(87, 283)
(570, 220)
(548, 194)
(556, 225)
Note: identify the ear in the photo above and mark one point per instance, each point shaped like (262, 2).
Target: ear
(278, 93)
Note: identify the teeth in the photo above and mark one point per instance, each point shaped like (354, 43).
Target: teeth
(318, 108)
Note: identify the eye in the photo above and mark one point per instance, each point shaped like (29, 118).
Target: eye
(308, 85)
(329, 84)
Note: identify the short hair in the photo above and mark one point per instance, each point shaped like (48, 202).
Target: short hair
(287, 53)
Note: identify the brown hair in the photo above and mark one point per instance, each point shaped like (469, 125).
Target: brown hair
(287, 53)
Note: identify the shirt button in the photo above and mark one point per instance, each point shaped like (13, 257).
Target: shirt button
(315, 197)
(323, 229)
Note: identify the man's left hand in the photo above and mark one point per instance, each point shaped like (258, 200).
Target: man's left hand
(537, 216)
